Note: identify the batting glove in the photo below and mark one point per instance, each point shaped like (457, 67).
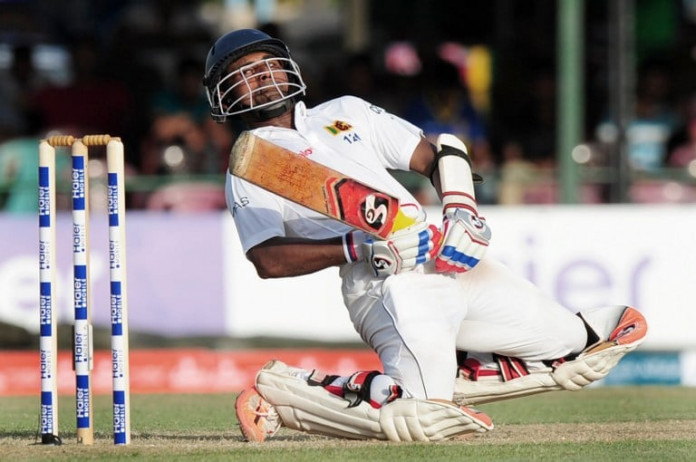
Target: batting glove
(465, 242)
(404, 250)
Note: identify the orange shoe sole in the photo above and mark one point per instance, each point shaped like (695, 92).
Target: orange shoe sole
(632, 328)
(478, 416)
(251, 410)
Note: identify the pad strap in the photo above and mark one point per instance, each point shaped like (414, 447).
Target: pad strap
(356, 388)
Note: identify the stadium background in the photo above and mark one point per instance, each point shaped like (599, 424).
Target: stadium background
(590, 195)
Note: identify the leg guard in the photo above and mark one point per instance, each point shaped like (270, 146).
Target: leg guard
(313, 409)
(502, 378)
(612, 332)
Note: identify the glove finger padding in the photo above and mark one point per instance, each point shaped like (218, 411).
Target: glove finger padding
(406, 249)
(422, 246)
(466, 239)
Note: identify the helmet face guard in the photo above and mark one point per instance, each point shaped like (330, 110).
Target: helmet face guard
(263, 89)
(260, 85)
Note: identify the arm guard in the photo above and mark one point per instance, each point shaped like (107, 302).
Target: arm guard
(456, 178)
(455, 147)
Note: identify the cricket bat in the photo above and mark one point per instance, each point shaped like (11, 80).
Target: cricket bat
(316, 186)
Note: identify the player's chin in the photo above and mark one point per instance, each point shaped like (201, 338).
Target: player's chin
(271, 93)
(269, 97)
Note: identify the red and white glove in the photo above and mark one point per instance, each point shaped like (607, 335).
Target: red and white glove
(466, 235)
(466, 241)
(404, 250)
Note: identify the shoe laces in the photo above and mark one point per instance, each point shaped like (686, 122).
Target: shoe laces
(269, 418)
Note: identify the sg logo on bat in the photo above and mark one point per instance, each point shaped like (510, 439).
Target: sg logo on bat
(374, 210)
(362, 206)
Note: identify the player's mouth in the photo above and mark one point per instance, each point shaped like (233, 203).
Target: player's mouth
(267, 94)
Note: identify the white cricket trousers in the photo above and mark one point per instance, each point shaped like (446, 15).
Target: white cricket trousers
(416, 321)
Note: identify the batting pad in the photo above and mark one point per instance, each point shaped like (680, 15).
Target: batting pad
(576, 374)
(314, 410)
(421, 420)
(571, 375)
(487, 390)
(621, 328)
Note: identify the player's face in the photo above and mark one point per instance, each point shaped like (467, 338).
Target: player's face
(257, 78)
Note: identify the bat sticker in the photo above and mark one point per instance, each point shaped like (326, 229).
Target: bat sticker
(354, 202)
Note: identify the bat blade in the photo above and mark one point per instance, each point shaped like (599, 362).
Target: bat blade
(316, 186)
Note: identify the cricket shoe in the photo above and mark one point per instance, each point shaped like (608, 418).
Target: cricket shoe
(480, 418)
(628, 331)
(258, 419)
(612, 333)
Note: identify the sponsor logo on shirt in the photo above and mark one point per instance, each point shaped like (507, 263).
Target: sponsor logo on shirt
(337, 127)
(243, 202)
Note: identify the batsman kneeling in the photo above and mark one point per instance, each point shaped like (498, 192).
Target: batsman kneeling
(370, 405)
(451, 326)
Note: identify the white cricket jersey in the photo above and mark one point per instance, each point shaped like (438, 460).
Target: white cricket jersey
(346, 134)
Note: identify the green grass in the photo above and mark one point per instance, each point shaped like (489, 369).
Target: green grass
(607, 424)
(608, 404)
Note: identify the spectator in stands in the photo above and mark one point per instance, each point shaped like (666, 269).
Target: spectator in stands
(16, 88)
(654, 119)
(19, 167)
(683, 152)
(92, 102)
(517, 174)
(443, 106)
(184, 140)
(179, 118)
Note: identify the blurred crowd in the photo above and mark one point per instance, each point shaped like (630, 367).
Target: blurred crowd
(177, 155)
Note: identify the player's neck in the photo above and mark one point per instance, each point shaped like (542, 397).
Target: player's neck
(285, 120)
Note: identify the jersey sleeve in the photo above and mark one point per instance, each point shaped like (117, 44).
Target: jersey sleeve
(257, 214)
(393, 138)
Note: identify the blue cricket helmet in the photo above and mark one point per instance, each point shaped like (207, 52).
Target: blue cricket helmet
(220, 83)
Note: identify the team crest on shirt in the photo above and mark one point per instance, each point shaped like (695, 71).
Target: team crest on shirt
(337, 127)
